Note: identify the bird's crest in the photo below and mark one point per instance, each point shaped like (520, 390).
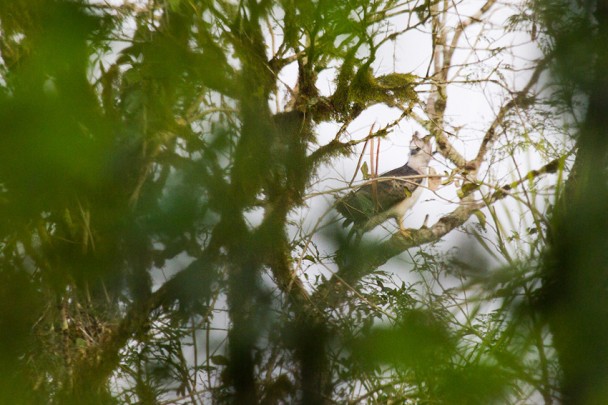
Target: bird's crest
(420, 152)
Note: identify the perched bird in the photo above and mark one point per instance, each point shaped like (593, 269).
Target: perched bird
(389, 195)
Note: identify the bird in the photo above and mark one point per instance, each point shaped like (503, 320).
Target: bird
(389, 195)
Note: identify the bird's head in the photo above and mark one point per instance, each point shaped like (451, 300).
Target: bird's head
(420, 151)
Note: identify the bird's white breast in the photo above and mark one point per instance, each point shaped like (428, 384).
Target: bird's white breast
(398, 210)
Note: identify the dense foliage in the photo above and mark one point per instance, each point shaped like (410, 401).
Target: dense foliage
(160, 163)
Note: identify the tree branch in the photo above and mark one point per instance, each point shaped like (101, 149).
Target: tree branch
(521, 99)
(366, 259)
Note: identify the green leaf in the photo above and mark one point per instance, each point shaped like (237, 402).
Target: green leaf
(481, 217)
(449, 178)
(467, 189)
(365, 171)
(174, 4)
(310, 258)
(81, 343)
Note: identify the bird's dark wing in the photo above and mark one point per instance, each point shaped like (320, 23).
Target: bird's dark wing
(402, 171)
(371, 199)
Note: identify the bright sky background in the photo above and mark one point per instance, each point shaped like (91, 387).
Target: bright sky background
(470, 107)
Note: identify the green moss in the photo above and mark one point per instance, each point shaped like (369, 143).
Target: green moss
(361, 90)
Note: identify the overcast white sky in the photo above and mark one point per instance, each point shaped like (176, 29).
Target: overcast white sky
(470, 107)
